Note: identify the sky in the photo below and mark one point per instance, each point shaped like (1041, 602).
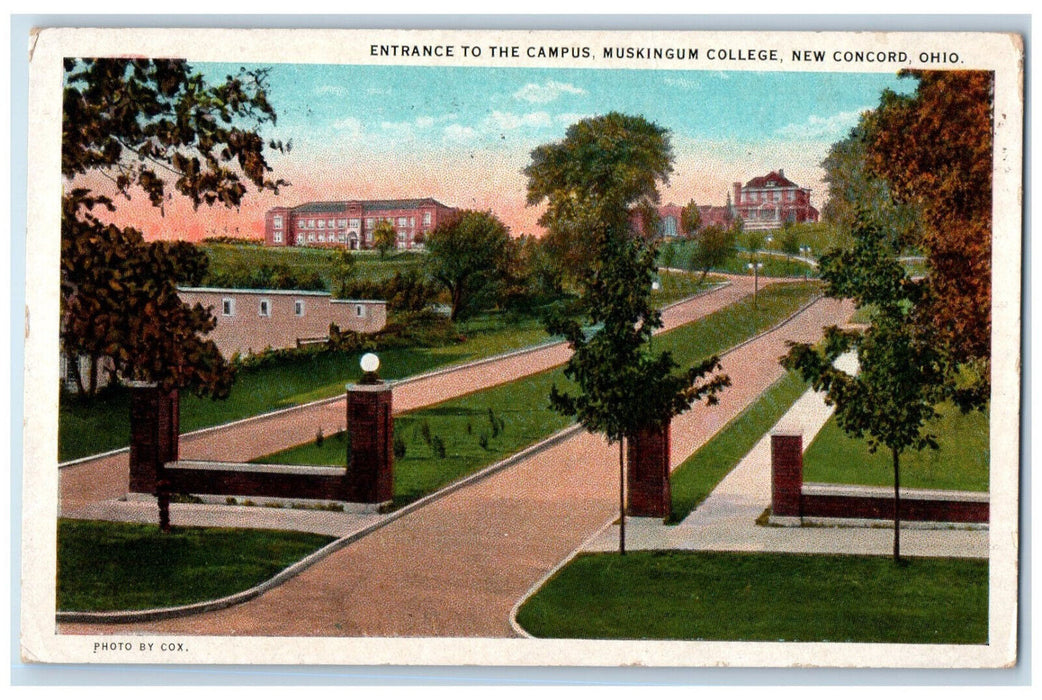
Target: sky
(464, 135)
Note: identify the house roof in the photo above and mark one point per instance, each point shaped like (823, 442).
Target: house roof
(776, 180)
(367, 205)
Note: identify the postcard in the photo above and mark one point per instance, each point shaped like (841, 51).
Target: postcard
(523, 348)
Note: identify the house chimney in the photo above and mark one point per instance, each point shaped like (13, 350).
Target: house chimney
(781, 173)
(737, 192)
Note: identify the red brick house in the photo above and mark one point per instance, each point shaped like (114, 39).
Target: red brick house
(768, 202)
(351, 223)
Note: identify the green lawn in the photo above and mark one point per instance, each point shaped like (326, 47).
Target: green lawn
(961, 463)
(773, 266)
(698, 475)
(763, 597)
(87, 428)
(125, 566)
(523, 407)
(520, 408)
(368, 265)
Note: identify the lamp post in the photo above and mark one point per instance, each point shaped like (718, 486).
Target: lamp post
(805, 253)
(755, 268)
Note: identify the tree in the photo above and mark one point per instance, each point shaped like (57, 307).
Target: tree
(467, 254)
(119, 300)
(890, 401)
(343, 271)
(621, 387)
(143, 122)
(606, 168)
(150, 126)
(690, 219)
(714, 245)
(384, 237)
(934, 149)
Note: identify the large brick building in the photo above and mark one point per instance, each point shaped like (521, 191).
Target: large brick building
(768, 202)
(351, 223)
(763, 203)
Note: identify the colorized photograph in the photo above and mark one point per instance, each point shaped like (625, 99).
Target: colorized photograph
(491, 347)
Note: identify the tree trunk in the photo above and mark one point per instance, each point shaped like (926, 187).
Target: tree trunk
(73, 361)
(622, 499)
(457, 298)
(897, 505)
(93, 375)
(163, 498)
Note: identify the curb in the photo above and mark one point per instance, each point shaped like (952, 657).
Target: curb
(534, 588)
(392, 383)
(153, 614)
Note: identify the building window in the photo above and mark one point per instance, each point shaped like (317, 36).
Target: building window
(277, 222)
(332, 223)
(277, 236)
(227, 306)
(369, 222)
(401, 221)
(301, 224)
(298, 307)
(354, 223)
(311, 223)
(426, 218)
(342, 223)
(311, 236)
(359, 311)
(265, 308)
(322, 223)
(321, 237)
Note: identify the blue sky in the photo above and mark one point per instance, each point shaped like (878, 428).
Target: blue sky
(463, 135)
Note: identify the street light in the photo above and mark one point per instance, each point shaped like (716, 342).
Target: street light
(755, 269)
(370, 363)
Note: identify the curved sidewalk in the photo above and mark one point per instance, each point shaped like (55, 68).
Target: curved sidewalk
(105, 477)
(457, 566)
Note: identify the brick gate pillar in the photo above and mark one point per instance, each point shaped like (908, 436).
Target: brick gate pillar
(154, 431)
(786, 478)
(647, 479)
(370, 473)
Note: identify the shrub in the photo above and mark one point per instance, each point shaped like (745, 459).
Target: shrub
(483, 440)
(438, 445)
(425, 432)
(399, 447)
(319, 438)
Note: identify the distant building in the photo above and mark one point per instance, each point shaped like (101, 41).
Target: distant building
(351, 223)
(770, 201)
(251, 320)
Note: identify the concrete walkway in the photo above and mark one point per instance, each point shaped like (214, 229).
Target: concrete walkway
(726, 520)
(457, 566)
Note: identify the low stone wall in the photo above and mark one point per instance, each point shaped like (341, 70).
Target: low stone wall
(794, 502)
(877, 503)
(274, 482)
